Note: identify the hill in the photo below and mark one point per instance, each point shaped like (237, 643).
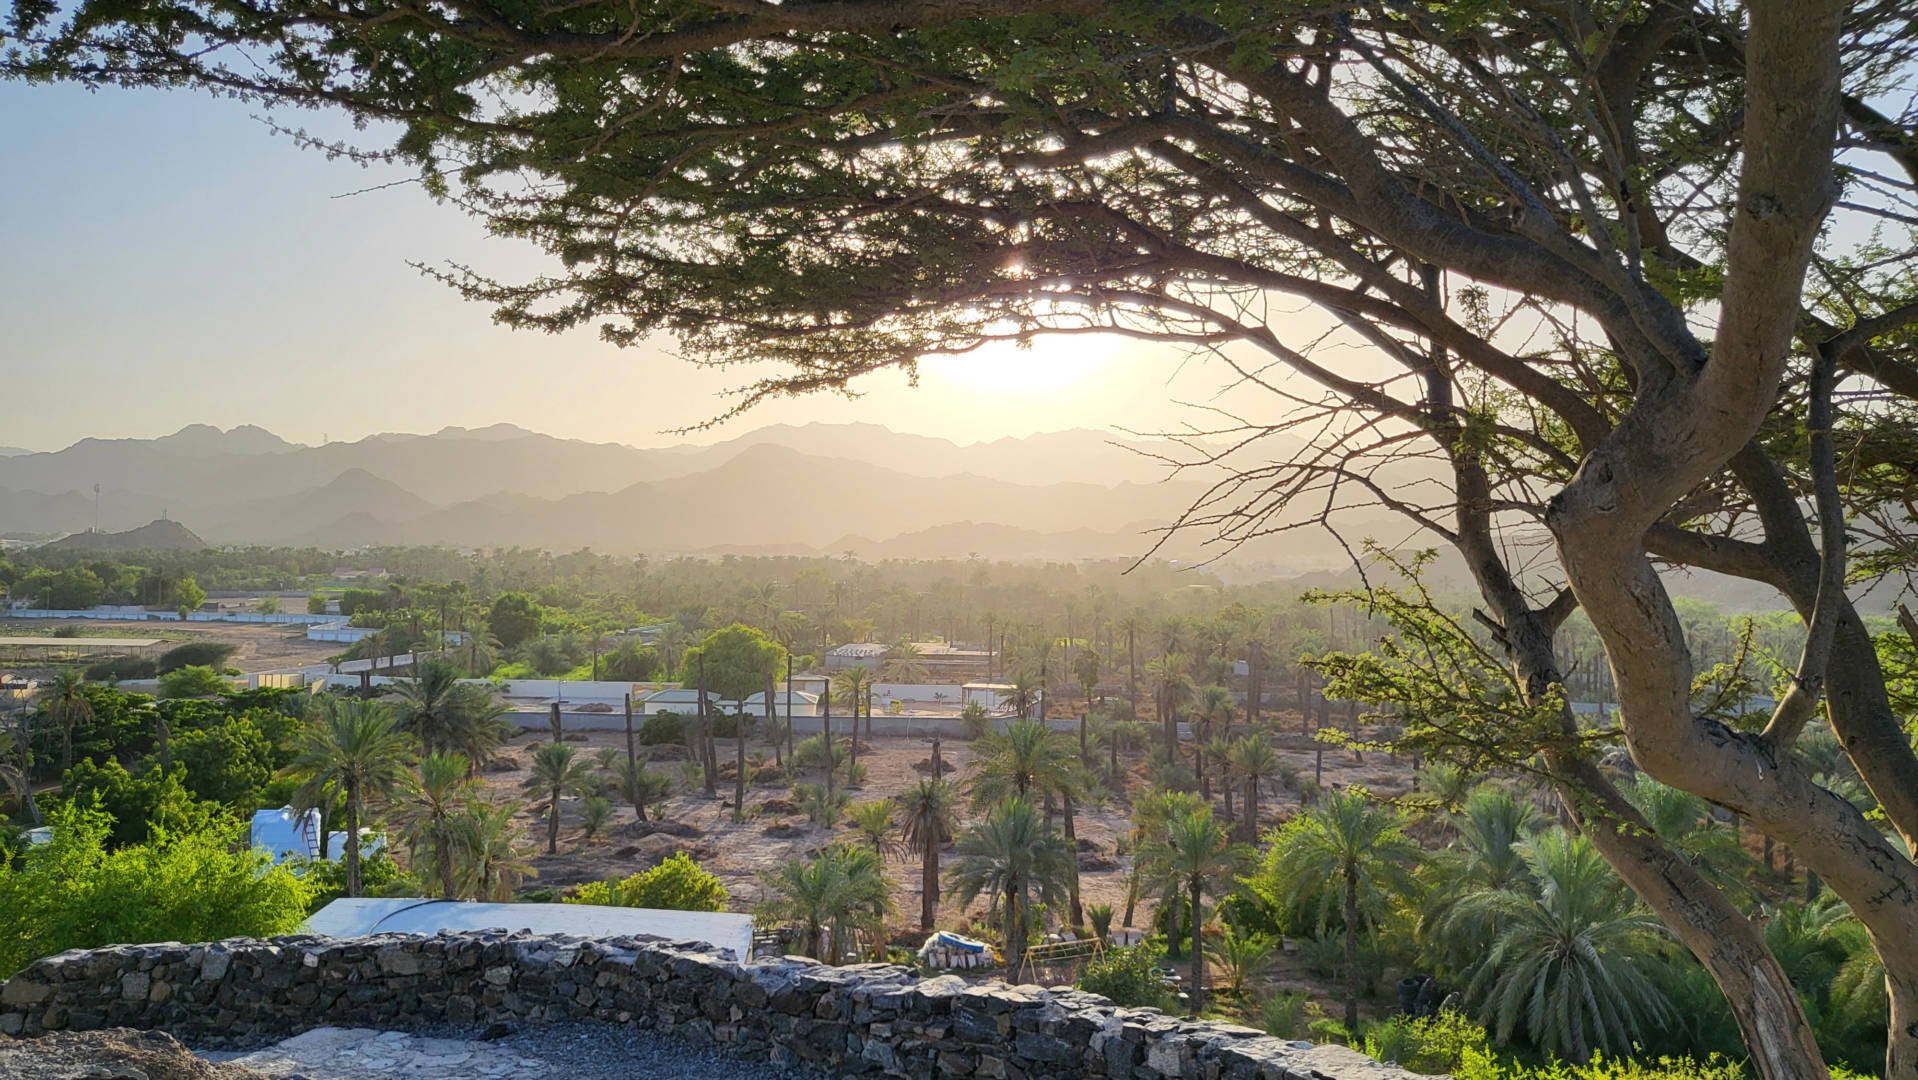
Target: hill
(161, 535)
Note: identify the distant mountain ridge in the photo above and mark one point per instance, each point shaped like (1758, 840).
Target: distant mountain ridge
(784, 488)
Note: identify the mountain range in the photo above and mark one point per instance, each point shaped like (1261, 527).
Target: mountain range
(782, 489)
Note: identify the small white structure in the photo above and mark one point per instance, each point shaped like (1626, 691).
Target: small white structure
(283, 835)
(350, 917)
(685, 702)
(841, 657)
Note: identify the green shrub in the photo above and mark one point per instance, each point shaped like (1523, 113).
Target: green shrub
(1126, 976)
(121, 668)
(1100, 916)
(207, 654)
(662, 728)
(316, 603)
(193, 681)
(974, 720)
(678, 884)
(1287, 1015)
(326, 878)
(201, 884)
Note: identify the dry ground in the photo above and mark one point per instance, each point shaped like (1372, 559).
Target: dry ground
(259, 646)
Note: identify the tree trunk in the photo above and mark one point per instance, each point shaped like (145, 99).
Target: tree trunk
(1072, 883)
(552, 824)
(1251, 828)
(929, 883)
(632, 752)
(1132, 671)
(825, 730)
(705, 748)
(1132, 891)
(1352, 950)
(352, 839)
(1198, 950)
(448, 889)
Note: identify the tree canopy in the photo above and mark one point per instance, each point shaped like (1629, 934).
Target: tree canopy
(1603, 266)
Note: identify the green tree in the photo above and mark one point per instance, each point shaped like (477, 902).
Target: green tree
(193, 681)
(316, 603)
(1014, 859)
(1252, 761)
(556, 770)
(1193, 857)
(353, 749)
(1571, 967)
(227, 763)
(140, 807)
(1486, 855)
(928, 808)
(1027, 759)
(872, 823)
(514, 619)
(833, 898)
(189, 594)
(13, 775)
(77, 892)
(1357, 846)
(428, 812)
(737, 659)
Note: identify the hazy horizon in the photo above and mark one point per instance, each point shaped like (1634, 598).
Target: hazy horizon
(174, 262)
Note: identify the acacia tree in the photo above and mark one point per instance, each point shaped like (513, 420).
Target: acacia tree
(1574, 236)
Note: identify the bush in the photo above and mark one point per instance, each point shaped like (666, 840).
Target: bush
(662, 728)
(197, 885)
(195, 681)
(974, 720)
(326, 878)
(121, 668)
(678, 884)
(134, 806)
(207, 654)
(1288, 1015)
(1126, 976)
(316, 604)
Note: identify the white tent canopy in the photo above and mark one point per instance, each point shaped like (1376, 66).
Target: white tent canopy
(410, 915)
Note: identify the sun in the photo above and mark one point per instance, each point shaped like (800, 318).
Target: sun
(1049, 364)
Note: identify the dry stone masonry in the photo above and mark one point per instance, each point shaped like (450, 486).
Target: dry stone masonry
(871, 1019)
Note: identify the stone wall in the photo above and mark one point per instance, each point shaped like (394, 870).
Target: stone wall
(870, 1019)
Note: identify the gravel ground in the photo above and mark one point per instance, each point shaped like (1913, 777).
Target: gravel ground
(533, 1052)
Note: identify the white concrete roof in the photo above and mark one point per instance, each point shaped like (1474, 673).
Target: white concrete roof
(411, 915)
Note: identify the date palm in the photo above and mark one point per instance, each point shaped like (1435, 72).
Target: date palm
(1027, 759)
(1191, 858)
(927, 808)
(1572, 964)
(1252, 761)
(13, 775)
(872, 822)
(557, 770)
(352, 749)
(837, 895)
(492, 862)
(1485, 856)
(68, 705)
(851, 687)
(1358, 847)
(429, 814)
(1014, 859)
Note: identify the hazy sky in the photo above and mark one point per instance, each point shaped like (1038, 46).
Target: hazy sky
(168, 260)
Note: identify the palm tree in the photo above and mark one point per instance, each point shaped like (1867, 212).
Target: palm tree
(428, 704)
(1486, 856)
(1131, 625)
(836, 895)
(1347, 841)
(1087, 666)
(639, 785)
(354, 749)
(1570, 963)
(67, 705)
(1026, 759)
(1171, 689)
(1685, 822)
(13, 776)
(852, 687)
(1193, 857)
(1023, 693)
(1253, 761)
(903, 663)
(872, 821)
(929, 822)
(492, 862)
(430, 813)
(1243, 956)
(1014, 858)
(556, 771)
